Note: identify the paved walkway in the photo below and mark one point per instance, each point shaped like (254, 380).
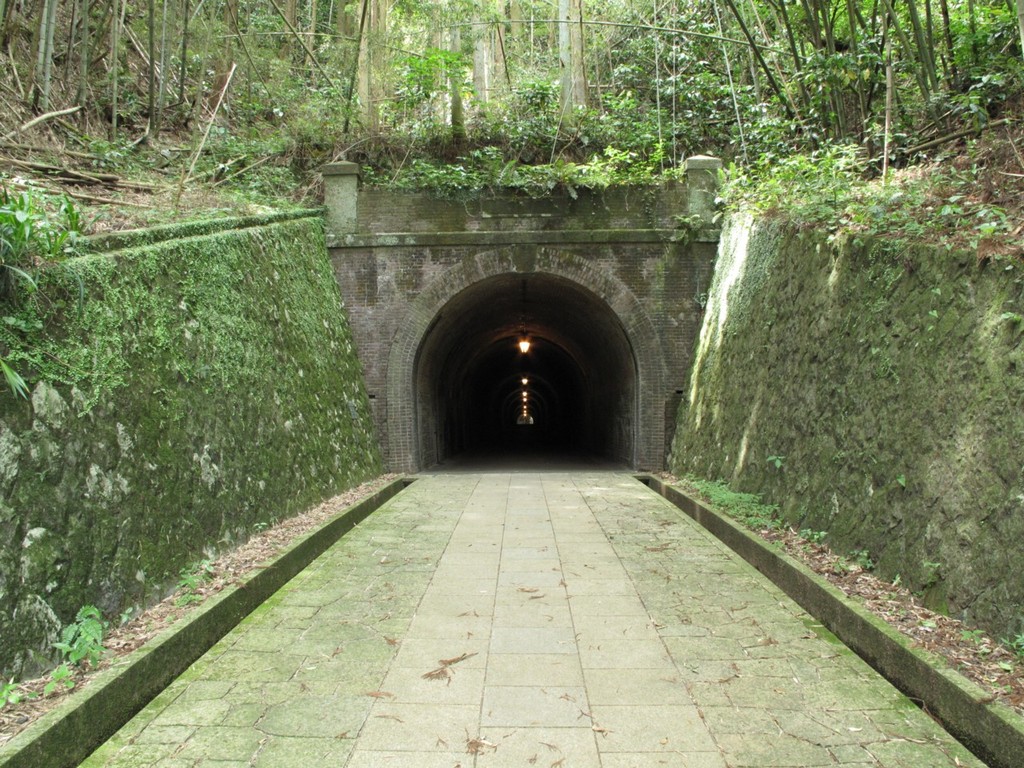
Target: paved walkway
(534, 619)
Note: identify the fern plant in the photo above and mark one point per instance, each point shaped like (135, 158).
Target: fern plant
(82, 640)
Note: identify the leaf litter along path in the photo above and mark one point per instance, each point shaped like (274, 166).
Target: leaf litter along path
(966, 649)
(226, 570)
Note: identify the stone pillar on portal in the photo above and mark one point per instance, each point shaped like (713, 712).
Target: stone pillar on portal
(702, 186)
(340, 182)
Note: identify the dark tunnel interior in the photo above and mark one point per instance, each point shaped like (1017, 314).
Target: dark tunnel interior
(571, 393)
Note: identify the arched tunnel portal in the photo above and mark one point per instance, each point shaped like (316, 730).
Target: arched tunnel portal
(595, 369)
(605, 284)
(571, 391)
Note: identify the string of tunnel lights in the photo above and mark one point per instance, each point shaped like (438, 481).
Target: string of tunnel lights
(525, 417)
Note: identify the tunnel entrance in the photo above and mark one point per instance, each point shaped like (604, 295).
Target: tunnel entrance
(526, 366)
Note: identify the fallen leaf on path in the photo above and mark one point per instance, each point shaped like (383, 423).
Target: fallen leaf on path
(442, 672)
(478, 745)
(457, 659)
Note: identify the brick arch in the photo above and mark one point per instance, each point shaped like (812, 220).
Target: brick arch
(422, 312)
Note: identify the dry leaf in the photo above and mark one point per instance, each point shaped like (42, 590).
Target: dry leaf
(380, 694)
(457, 659)
(441, 673)
(478, 745)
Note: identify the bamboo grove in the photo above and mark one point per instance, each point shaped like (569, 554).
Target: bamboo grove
(662, 79)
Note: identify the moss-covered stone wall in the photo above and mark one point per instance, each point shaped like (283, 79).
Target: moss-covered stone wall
(874, 392)
(206, 387)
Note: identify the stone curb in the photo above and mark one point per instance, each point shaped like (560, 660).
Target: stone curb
(994, 733)
(76, 728)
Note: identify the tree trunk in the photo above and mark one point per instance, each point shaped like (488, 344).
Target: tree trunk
(161, 100)
(455, 89)
(84, 52)
(579, 70)
(183, 72)
(4, 8)
(151, 95)
(924, 46)
(313, 10)
(515, 16)
(115, 56)
(1020, 22)
(51, 28)
(378, 49)
(289, 17)
(570, 54)
(482, 61)
(345, 25)
(42, 55)
(363, 66)
(225, 61)
(947, 37)
(357, 65)
(39, 12)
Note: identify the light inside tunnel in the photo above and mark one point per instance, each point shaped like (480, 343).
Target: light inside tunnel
(476, 391)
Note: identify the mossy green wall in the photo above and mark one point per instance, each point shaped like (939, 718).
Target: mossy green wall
(207, 387)
(891, 380)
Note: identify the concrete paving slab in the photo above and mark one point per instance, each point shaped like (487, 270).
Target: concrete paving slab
(529, 619)
(572, 747)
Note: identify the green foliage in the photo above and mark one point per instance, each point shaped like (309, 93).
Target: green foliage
(31, 239)
(82, 640)
(11, 694)
(930, 573)
(862, 559)
(1016, 645)
(815, 537)
(191, 579)
(777, 461)
(60, 678)
(975, 636)
(423, 78)
(747, 508)
(835, 189)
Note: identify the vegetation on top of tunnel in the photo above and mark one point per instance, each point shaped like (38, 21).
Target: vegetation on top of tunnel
(971, 201)
(146, 113)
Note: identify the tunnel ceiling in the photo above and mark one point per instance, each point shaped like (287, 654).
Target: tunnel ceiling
(581, 371)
